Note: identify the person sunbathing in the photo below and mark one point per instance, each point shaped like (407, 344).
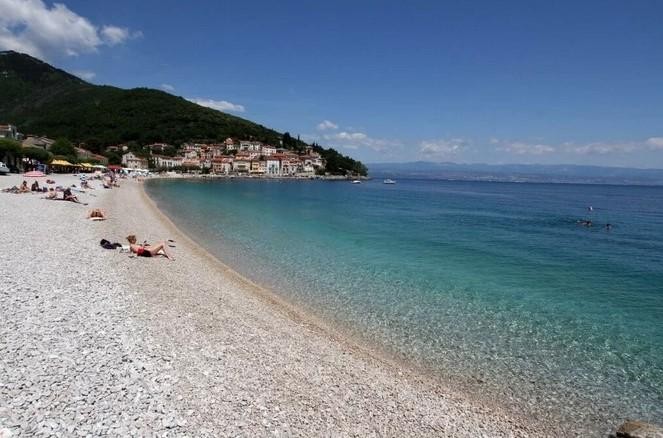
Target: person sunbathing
(146, 250)
(24, 188)
(96, 214)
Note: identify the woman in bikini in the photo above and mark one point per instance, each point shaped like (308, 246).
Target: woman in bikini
(96, 214)
(148, 250)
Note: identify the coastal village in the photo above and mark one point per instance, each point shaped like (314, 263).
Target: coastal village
(232, 157)
(240, 157)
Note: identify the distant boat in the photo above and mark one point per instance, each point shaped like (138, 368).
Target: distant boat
(388, 181)
(356, 181)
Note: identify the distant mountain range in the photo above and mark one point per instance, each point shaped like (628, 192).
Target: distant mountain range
(579, 174)
(43, 100)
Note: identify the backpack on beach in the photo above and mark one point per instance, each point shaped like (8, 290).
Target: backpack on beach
(107, 245)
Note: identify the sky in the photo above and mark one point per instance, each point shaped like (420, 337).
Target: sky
(534, 81)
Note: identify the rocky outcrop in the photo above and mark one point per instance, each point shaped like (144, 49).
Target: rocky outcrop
(638, 429)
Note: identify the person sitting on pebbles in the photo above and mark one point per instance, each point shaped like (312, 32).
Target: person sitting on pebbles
(146, 250)
(24, 188)
(68, 196)
(52, 194)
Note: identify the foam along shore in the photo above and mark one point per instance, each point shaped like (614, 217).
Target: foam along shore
(95, 342)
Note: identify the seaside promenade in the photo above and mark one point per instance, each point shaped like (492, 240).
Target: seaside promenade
(95, 342)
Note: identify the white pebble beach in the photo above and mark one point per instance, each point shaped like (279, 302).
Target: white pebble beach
(95, 342)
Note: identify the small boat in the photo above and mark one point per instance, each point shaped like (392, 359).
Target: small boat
(388, 181)
(356, 181)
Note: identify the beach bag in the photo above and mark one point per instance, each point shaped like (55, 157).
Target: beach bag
(107, 245)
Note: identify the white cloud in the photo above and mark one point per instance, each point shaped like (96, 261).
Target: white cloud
(593, 148)
(442, 148)
(655, 142)
(85, 74)
(32, 27)
(326, 124)
(220, 105)
(167, 87)
(356, 140)
(600, 148)
(522, 148)
(351, 136)
(114, 35)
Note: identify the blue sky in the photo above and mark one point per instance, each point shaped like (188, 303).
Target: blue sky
(465, 81)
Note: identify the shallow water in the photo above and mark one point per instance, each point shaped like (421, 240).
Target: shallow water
(489, 281)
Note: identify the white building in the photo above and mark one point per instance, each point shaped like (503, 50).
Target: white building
(9, 131)
(131, 161)
(230, 144)
(164, 162)
(223, 165)
(242, 164)
(268, 150)
(313, 159)
(191, 154)
(290, 166)
(191, 163)
(273, 166)
(158, 147)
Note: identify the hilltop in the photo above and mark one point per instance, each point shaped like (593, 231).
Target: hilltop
(45, 100)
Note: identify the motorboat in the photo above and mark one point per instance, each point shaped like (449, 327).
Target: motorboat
(388, 181)
(356, 181)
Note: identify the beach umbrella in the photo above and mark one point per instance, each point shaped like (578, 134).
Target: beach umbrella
(34, 174)
(61, 163)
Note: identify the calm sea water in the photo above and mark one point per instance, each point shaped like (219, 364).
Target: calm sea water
(493, 283)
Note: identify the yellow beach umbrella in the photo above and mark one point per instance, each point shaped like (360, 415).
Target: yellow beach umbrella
(61, 163)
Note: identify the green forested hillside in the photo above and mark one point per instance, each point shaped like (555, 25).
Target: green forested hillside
(43, 100)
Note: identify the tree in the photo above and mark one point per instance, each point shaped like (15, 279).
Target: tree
(170, 151)
(114, 158)
(9, 147)
(288, 141)
(62, 146)
(93, 144)
(9, 151)
(38, 154)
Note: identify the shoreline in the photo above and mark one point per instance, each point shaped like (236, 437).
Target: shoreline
(467, 390)
(139, 346)
(301, 315)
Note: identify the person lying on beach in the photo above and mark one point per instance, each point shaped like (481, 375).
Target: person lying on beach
(68, 196)
(14, 189)
(96, 214)
(146, 250)
(86, 185)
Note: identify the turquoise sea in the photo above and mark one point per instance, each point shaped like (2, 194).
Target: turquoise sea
(494, 286)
